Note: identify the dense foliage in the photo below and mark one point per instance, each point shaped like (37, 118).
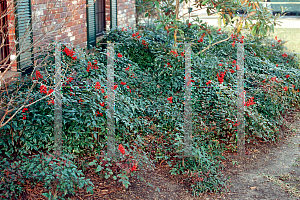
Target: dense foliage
(59, 173)
(271, 76)
(149, 85)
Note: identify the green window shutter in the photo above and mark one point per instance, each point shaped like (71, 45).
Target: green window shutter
(113, 14)
(91, 23)
(24, 36)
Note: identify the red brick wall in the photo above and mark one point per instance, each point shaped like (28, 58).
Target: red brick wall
(74, 29)
(11, 36)
(107, 14)
(67, 20)
(126, 13)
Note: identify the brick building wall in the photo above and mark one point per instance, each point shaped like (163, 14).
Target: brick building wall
(55, 27)
(107, 14)
(11, 34)
(66, 22)
(126, 13)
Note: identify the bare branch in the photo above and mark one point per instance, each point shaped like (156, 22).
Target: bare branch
(217, 42)
(47, 29)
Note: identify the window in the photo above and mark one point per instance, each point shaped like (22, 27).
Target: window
(4, 49)
(95, 16)
(24, 36)
(100, 17)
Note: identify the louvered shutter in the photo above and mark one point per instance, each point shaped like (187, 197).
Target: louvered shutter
(114, 13)
(91, 23)
(24, 36)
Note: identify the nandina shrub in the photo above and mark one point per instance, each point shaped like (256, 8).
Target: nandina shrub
(83, 106)
(150, 94)
(59, 173)
(32, 130)
(203, 169)
(263, 60)
(123, 165)
(10, 183)
(214, 106)
(84, 109)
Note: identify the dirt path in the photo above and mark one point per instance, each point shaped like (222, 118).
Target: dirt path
(257, 180)
(254, 177)
(270, 171)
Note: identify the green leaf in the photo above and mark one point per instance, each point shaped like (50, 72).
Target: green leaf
(90, 189)
(253, 31)
(99, 168)
(160, 17)
(180, 31)
(201, 32)
(159, 26)
(210, 39)
(227, 17)
(281, 8)
(157, 4)
(48, 195)
(92, 163)
(218, 7)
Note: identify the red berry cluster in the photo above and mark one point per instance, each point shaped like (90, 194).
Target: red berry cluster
(90, 66)
(174, 53)
(145, 43)
(250, 102)
(37, 75)
(236, 39)
(136, 34)
(221, 77)
(70, 53)
(122, 151)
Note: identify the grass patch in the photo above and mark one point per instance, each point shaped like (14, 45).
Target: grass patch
(291, 35)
